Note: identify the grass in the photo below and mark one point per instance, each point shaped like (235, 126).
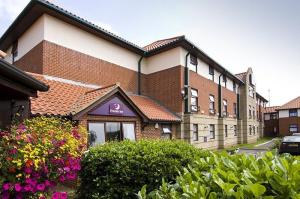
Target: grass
(249, 146)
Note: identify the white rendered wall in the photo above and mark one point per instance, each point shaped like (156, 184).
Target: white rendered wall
(283, 113)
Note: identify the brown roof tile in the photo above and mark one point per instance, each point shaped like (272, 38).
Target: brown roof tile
(241, 76)
(152, 109)
(295, 103)
(271, 109)
(160, 43)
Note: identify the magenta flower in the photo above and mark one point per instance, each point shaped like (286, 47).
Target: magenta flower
(40, 187)
(67, 169)
(56, 195)
(13, 151)
(28, 170)
(18, 187)
(64, 195)
(19, 196)
(61, 178)
(28, 188)
(71, 176)
(5, 195)
(6, 186)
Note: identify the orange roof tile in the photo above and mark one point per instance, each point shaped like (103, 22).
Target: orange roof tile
(152, 109)
(295, 103)
(66, 97)
(271, 109)
(160, 43)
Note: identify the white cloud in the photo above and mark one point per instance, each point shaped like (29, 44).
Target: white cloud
(10, 9)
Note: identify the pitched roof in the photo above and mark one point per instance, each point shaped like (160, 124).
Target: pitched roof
(241, 76)
(152, 109)
(66, 97)
(161, 43)
(271, 109)
(19, 77)
(295, 103)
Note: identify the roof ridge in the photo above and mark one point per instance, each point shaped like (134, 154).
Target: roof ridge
(104, 87)
(175, 37)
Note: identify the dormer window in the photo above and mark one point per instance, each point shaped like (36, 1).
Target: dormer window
(194, 63)
(211, 73)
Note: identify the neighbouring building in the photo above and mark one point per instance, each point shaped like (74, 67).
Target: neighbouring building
(16, 87)
(167, 89)
(283, 120)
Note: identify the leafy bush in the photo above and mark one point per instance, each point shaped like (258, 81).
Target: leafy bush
(237, 176)
(120, 169)
(38, 154)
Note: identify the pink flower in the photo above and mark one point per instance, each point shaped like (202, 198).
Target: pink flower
(56, 195)
(13, 151)
(28, 188)
(19, 196)
(47, 183)
(18, 187)
(67, 169)
(5, 195)
(71, 176)
(6, 186)
(64, 195)
(31, 181)
(40, 187)
(61, 178)
(28, 170)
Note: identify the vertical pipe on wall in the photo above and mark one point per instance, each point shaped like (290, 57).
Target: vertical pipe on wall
(220, 96)
(186, 85)
(139, 76)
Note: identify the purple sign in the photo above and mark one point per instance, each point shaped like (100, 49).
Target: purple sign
(111, 107)
(116, 108)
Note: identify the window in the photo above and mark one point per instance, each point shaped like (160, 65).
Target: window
(273, 116)
(250, 130)
(250, 79)
(251, 91)
(101, 132)
(211, 73)
(225, 80)
(234, 108)
(211, 104)
(250, 112)
(14, 51)
(293, 128)
(195, 132)
(253, 130)
(224, 107)
(212, 131)
(293, 113)
(166, 132)
(194, 100)
(234, 87)
(194, 63)
(226, 131)
(234, 130)
(253, 113)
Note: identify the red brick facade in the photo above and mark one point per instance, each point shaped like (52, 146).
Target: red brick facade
(284, 124)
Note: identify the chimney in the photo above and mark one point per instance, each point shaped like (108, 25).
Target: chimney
(2, 54)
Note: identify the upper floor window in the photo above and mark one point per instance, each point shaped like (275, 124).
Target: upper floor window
(253, 130)
(194, 63)
(225, 110)
(211, 73)
(225, 81)
(251, 91)
(234, 87)
(250, 79)
(14, 51)
(234, 109)
(211, 104)
(194, 100)
(253, 112)
(250, 112)
(195, 132)
(293, 112)
(273, 116)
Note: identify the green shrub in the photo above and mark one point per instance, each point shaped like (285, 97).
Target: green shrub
(120, 169)
(236, 176)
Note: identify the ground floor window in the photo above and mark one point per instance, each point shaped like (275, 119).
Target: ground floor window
(226, 131)
(166, 132)
(293, 128)
(195, 132)
(212, 131)
(101, 132)
(234, 130)
(250, 130)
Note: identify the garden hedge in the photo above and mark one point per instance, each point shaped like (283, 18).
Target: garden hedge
(120, 169)
(238, 176)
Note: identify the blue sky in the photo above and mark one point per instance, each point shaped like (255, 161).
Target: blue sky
(264, 35)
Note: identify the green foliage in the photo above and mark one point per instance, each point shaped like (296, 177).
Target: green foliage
(120, 169)
(237, 176)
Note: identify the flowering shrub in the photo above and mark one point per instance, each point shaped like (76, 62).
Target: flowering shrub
(38, 154)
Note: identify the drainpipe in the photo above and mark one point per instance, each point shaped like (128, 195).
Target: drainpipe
(220, 96)
(139, 76)
(238, 103)
(187, 106)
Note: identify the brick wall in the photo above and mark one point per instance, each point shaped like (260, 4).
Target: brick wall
(207, 87)
(51, 59)
(165, 86)
(269, 127)
(284, 124)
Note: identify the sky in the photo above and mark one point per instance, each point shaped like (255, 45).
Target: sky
(262, 34)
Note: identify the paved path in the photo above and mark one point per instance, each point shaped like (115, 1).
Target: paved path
(258, 149)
